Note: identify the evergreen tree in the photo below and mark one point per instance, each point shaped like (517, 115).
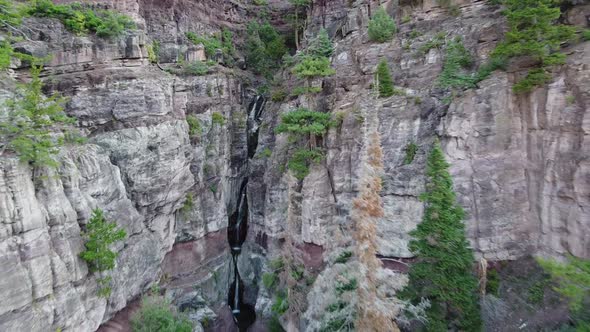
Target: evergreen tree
(310, 67)
(384, 81)
(321, 45)
(300, 8)
(381, 26)
(31, 118)
(443, 273)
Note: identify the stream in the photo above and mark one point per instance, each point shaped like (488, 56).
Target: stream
(243, 313)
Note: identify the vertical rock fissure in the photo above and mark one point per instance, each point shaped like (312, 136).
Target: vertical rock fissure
(243, 313)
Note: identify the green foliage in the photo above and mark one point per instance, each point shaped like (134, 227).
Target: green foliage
(347, 286)
(99, 235)
(310, 67)
(303, 90)
(280, 303)
(533, 79)
(572, 278)
(210, 43)
(104, 287)
(457, 58)
(343, 257)
(384, 80)
(188, 204)
(265, 153)
(217, 118)
(537, 292)
(534, 32)
(321, 45)
(260, 2)
(586, 34)
(198, 68)
(411, 150)
(11, 13)
(80, 19)
(438, 41)
(195, 129)
(443, 272)
(278, 95)
(27, 129)
(381, 26)
(153, 51)
(156, 314)
(269, 280)
(493, 282)
(265, 48)
(303, 121)
(5, 54)
(301, 159)
(274, 325)
(277, 264)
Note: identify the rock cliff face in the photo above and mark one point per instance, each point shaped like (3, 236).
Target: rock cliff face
(521, 163)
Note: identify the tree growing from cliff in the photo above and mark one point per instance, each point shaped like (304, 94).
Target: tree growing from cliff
(373, 314)
(311, 67)
(384, 81)
(381, 26)
(27, 130)
(156, 314)
(321, 45)
(300, 6)
(99, 235)
(443, 273)
(572, 277)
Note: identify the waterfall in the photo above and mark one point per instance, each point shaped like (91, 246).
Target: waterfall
(243, 313)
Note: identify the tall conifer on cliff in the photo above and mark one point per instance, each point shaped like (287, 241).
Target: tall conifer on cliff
(443, 273)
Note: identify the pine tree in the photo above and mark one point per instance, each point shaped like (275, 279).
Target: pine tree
(381, 26)
(321, 45)
(443, 273)
(385, 83)
(311, 67)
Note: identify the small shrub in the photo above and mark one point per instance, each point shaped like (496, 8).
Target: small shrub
(278, 95)
(260, 2)
(454, 10)
(80, 19)
(266, 153)
(104, 287)
(269, 280)
(537, 292)
(280, 304)
(153, 51)
(217, 118)
(343, 257)
(99, 235)
(301, 159)
(156, 314)
(534, 78)
(457, 58)
(570, 99)
(383, 77)
(348, 286)
(195, 129)
(303, 90)
(277, 264)
(411, 150)
(438, 41)
(381, 26)
(274, 325)
(586, 34)
(188, 204)
(198, 68)
(210, 43)
(406, 19)
(493, 282)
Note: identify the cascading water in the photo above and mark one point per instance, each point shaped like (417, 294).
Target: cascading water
(237, 230)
